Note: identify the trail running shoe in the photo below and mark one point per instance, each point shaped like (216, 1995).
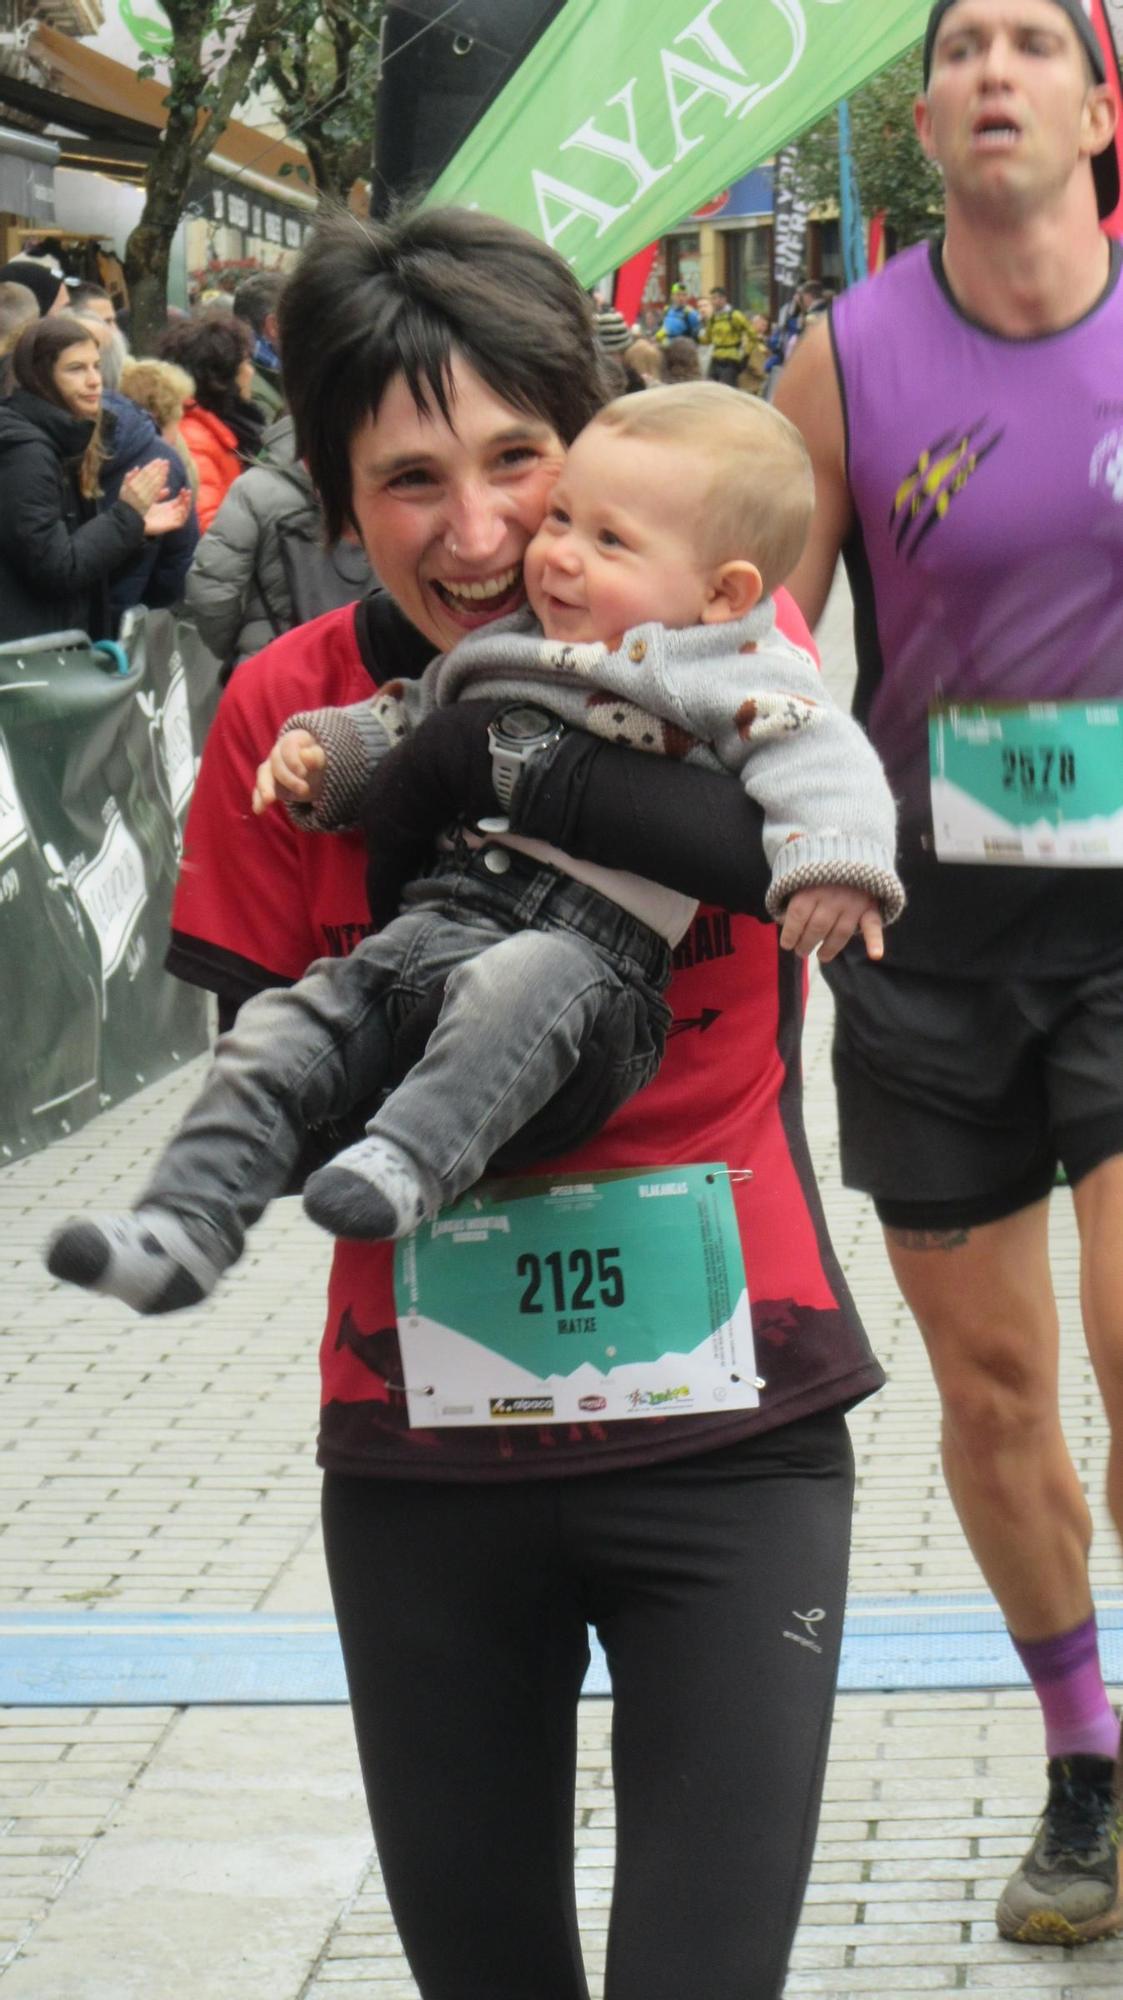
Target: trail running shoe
(1066, 1890)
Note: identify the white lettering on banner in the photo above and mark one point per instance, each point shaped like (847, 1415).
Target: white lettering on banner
(707, 83)
(13, 826)
(702, 31)
(175, 739)
(112, 891)
(626, 151)
(576, 202)
(686, 85)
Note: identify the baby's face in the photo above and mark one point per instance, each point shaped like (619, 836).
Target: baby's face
(616, 548)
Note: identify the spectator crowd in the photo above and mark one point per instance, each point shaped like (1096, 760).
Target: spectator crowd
(171, 478)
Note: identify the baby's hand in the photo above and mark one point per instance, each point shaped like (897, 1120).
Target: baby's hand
(293, 772)
(828, 916)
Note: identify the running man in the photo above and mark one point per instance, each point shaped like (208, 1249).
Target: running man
(964, 412)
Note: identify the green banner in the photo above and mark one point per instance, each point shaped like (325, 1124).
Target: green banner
(625, 118)
(96, 772)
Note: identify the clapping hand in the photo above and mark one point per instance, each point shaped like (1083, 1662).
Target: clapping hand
(145, 484)
(165, 515)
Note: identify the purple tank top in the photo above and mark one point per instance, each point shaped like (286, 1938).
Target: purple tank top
(987, 557)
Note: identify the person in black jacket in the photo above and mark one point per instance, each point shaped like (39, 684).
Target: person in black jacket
(57, 550)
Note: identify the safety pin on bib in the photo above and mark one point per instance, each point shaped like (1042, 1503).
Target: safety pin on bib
(737, 1174)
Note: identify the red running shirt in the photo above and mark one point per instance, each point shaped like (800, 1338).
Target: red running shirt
(258, 901)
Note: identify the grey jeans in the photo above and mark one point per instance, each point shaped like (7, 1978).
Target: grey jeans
(551, 1019)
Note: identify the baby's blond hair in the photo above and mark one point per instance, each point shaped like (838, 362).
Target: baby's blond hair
(760, 500)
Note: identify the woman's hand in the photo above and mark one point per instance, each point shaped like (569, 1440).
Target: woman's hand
(168, 515)
(293, 772)
(144, 485)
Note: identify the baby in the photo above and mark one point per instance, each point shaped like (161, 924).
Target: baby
(676, 516)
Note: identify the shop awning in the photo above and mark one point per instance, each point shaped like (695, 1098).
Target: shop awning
(27, 175)
(116, 118)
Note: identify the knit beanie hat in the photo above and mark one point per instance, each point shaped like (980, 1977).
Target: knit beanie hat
(612, 330)
(39, 278)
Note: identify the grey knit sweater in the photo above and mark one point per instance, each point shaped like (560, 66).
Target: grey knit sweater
(738, 697)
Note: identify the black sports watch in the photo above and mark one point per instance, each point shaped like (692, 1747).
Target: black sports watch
(516, 736)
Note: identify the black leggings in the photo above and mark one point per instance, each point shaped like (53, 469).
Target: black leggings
(717, 1586)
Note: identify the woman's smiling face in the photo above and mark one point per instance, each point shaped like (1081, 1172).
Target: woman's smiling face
(445, 515)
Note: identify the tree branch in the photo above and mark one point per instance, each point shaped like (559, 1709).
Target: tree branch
(266, 19)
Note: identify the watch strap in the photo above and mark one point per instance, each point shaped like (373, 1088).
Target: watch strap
(505, 768)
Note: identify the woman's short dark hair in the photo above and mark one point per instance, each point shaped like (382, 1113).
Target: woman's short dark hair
(369, 301)
(212, 348)
(36, 353)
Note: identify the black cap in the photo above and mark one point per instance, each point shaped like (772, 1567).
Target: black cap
(1105, 165)
(38, 278)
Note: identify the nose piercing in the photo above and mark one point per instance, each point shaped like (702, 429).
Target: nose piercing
(452, 548)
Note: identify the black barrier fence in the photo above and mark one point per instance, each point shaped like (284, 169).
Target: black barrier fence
(98, 751)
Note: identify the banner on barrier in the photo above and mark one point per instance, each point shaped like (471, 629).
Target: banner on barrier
(96, 773)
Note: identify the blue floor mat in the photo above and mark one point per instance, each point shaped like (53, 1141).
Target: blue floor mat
(180, 1659)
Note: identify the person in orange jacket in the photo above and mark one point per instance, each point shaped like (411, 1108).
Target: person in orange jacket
(221, 426)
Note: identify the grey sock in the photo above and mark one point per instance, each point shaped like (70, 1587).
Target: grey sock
(147, 1258)
(371, 1191)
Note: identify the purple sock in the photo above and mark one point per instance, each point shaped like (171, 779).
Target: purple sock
(1065, 1671)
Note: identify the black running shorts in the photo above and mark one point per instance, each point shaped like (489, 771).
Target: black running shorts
(958, 1098)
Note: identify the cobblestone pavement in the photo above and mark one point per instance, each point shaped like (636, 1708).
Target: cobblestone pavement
(223, 1853)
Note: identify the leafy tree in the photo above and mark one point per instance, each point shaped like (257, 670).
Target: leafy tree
(321, 58)
(893, 173)
(204, 90)
(324, 70)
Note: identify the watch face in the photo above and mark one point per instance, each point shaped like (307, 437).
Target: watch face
(523, 723)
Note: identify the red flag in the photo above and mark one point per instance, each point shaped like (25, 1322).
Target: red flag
(1113, 51)
(630, 281)
(875, 257)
